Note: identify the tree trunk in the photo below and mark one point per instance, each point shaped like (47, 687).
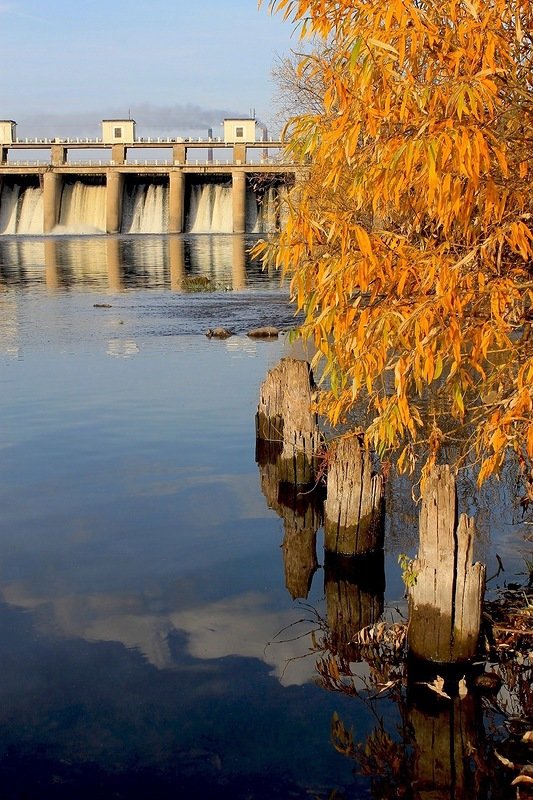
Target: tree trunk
(445, 601)
(354, 505)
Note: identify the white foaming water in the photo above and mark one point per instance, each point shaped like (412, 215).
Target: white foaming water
(21, 210)
(270, 213)
(211, 209)
(82, 209)
(146, 209)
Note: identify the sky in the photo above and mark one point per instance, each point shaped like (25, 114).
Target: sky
(177, 67)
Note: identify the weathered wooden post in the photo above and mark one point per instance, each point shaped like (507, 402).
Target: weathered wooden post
(284, 415)
(353, 509)
(446, 597)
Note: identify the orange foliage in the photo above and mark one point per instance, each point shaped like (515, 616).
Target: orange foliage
(410, 242)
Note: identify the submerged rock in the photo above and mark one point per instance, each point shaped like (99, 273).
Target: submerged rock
(266, 332)
(218, 333)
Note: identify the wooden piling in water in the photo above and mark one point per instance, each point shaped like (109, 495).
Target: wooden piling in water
(353, 509)
(446, 598)
(284, 416)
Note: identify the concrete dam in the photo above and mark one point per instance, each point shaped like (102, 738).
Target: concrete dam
(228, 185)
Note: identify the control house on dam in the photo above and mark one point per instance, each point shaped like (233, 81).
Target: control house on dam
(114, 184)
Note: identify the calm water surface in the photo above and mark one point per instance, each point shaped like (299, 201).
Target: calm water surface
(142, 582)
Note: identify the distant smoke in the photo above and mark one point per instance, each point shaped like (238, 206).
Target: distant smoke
(152, 120)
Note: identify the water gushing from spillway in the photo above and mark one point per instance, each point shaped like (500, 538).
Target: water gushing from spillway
(21, 210)
(83, 208)
(145, 209)
(211, 208)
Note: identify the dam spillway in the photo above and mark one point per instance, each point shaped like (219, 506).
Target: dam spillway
(59, 203)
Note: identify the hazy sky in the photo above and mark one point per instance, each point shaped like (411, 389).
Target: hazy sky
(178, 67)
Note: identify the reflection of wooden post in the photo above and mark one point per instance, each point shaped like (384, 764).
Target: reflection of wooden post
(445, 602)
(299, 554)
(444, 740)
(301, 519)
(354, 589)
(284, 415)
(354, 505)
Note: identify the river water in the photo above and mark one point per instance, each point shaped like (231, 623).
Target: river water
(149, 646)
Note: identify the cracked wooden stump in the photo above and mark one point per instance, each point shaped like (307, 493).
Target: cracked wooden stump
(285, 422)
(353, 509)
(445, 601)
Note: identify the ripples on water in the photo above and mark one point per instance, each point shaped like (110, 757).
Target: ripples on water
(142, 579)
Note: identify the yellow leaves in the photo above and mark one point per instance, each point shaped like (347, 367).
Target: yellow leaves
(525, 375)
(433, 178)
(472, 10)
(383, 46)
(489, 465)
(501, 158)
(520, 239)
(428, 371)
(363, 240)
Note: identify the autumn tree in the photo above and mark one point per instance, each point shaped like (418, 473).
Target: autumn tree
(409, 243)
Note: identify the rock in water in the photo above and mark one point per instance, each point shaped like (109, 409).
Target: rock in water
(218, 333)
(266, 332)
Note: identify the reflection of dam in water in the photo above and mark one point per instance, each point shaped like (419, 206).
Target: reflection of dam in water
(180, 263)
(81, 205)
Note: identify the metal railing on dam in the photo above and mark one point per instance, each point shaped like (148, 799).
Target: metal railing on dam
(181, 152)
